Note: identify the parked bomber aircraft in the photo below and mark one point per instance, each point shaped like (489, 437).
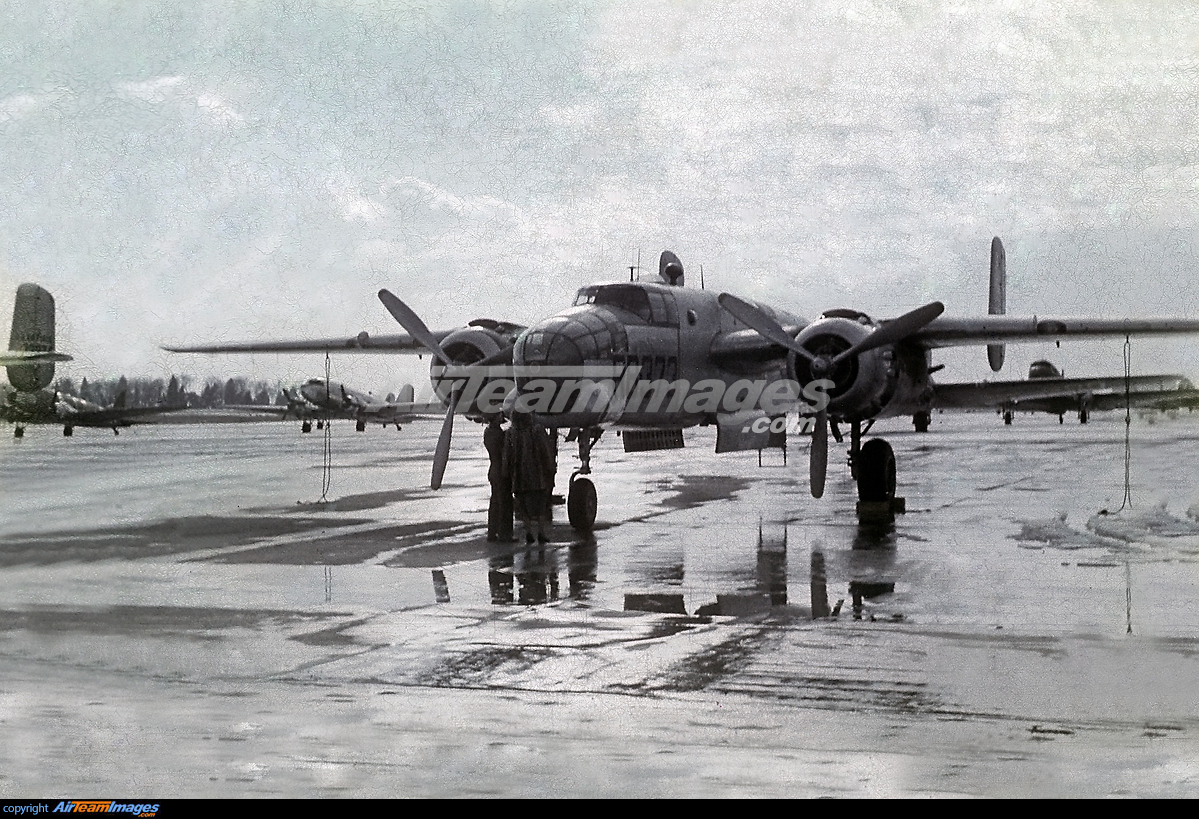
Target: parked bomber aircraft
(30, 363)
(1060, 395)
(718, 359)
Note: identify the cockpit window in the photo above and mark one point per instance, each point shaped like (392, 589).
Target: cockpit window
(651, 305)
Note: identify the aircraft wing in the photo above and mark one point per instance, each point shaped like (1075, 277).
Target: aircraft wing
(1150, 399)
(112, 416)
(361, 343)
(13, 357)
(997, 394)
(945, 332)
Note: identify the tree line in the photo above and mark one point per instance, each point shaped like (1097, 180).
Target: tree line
(181, 391)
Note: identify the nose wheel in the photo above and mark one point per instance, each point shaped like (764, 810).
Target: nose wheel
(581, 503)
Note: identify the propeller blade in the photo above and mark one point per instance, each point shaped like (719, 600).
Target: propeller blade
(894, 330)
(441, 455)
(758, 320)
(411, 323)
(818, 464)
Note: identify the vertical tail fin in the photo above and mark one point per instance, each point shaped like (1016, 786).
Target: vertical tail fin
(997, 304)
(407, 395)
(32, 331)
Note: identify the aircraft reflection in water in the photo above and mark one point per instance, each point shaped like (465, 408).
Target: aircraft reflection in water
(652, 358)
(534, 576)
(30, 360)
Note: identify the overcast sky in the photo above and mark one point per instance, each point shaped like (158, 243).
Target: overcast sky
(240, 171)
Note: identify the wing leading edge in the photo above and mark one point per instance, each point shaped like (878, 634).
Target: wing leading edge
(362, 343)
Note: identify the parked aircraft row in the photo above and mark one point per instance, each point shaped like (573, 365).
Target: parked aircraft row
(683, 346)
(30, 362)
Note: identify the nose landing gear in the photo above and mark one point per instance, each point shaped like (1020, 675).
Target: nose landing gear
(582, 503)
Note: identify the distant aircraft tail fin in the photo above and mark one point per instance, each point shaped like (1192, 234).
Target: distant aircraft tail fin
(32, 332)
(407, 395)
(997, 304)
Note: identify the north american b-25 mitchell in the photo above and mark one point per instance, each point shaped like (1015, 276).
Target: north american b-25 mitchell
(652, 358)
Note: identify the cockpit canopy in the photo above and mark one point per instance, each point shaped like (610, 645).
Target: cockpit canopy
(649, 304)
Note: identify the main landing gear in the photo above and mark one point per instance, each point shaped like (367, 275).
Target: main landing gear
(18, 431)
(873, 468)
(581, 501)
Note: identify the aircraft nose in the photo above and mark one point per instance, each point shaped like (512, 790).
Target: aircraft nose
(572, 339)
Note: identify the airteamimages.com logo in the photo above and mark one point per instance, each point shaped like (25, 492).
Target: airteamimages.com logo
(81, 806)
(615, 391)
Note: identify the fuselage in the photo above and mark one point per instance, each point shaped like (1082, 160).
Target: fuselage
(668, 356)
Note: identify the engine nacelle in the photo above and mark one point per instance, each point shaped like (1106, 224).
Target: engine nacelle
(466, 345)
(863, 384)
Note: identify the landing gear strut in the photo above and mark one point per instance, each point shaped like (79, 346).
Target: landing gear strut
(581, 501)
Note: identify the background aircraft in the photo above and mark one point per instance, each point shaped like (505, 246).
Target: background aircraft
(868, 369)
(323, 401)
(1062, 395)
(30, 360)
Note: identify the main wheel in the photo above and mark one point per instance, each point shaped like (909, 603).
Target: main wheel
(581, 505)
(876, 471)
(360, 426)
(306, 426)
(921, 420)
(68, 431)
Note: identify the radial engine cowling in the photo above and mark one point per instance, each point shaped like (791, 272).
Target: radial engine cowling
(862, 384)
(467, 345)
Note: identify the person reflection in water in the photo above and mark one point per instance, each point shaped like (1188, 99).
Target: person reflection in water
(499, 511)
(530, 465)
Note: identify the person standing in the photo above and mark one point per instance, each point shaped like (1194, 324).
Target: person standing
(499, 510)
(530, 465)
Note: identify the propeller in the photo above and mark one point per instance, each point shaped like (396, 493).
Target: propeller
(818, 462)
(416, 328)
(895, 330)
(412, 323)
(294, 404)
(892, 332)
(758, 319)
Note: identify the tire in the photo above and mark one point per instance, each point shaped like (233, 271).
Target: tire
(581, 505)
(921, 421)
(876, 471)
